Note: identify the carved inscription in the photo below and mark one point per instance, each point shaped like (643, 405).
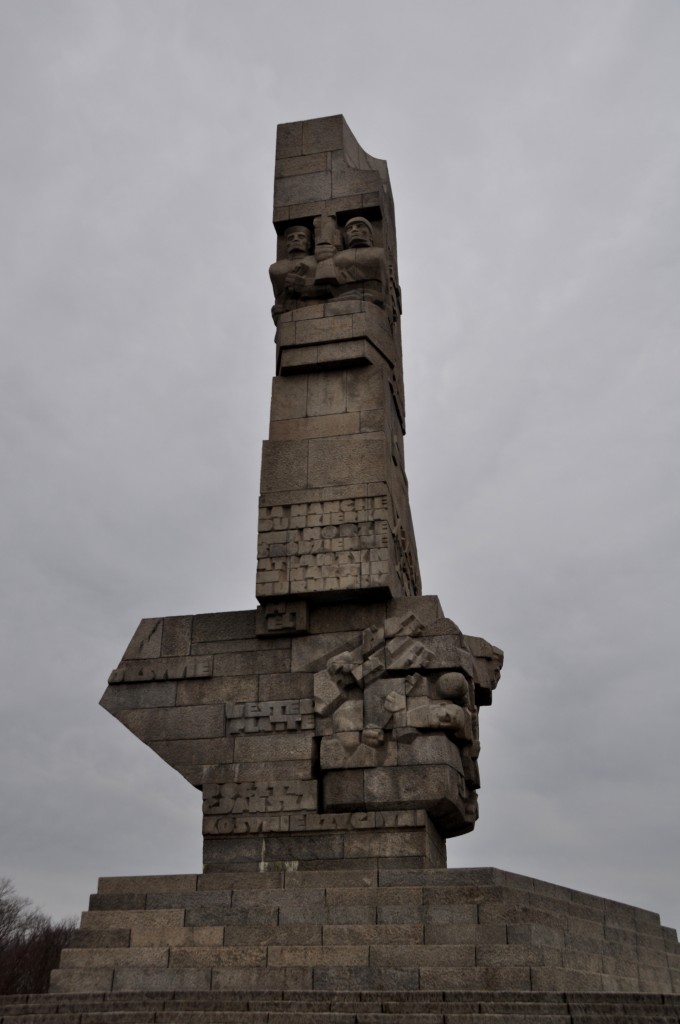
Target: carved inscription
(270, 716)
(324, 545)
(282, 617)
(162, 669)
(235, 798)
(308, 822)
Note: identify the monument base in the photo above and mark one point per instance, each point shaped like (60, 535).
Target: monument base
(477, 929)
(369, 841)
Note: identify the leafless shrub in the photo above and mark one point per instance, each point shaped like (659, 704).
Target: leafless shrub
(30, 942)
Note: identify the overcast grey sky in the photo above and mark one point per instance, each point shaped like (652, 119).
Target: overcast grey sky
(533, 148)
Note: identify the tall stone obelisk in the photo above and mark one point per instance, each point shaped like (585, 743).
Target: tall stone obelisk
(339, 721)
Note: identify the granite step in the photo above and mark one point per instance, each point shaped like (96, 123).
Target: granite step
(397, 1007)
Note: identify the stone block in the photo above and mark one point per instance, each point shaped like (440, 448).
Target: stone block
(149, 979)
(220, 689)
(422, 956)
(302, 188)
(224, 956)
(535, 935)
(323, 134)
(318, 956)
(450, 925)
(503, 955)
(118, 901)
(328, 329)
(215, 626)
(86, 959)
(172, 937)
(366, 388)
(146, 640)
(147, 883)
(262, 979)
(131, 919)
(335, 755)
(291, 746)
(365, 979)
(343, 790)
(356, 913)
(267, 771)
(285, 686)
(372, 420)
(577, 961)
(386, 844)
(371, 935)
(430, 748)
(122, 696)
(272, 935)
(175, 723)
(337, 618)
(327, 393)
(655, 979)
(222, 854)
(176, 638)
(398, 915)
(98, 979)
(337, 355)
(289, 398)
(291, 166)
(275, 658)
(481, 895)
(302, 847)
(289, 139)
(478, 979)
(332, 880)
(339, 895)
(552, 979)
(315, 426)
(284, 464)
(181, 753)
(310, 653)
(187, 901)
(84, 938)
(410, 787)
(335, 461)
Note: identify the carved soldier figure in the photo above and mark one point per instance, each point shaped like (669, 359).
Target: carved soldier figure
(293, 277)
(361, 266)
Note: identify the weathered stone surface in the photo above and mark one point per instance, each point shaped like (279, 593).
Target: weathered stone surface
(369, 925)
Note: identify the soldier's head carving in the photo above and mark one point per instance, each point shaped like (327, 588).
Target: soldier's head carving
(358, 233)
(298, 240)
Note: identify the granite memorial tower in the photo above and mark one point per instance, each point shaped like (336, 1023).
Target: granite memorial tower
(333, 730)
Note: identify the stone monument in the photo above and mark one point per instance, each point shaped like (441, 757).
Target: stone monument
(338, 721)
(334, 729)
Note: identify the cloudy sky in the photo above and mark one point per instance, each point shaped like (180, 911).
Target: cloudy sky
(533, 148)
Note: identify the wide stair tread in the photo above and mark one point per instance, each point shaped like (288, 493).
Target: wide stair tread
(413, 1007)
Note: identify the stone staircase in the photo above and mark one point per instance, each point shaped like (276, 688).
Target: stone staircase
(314, 1007)
(423, 946)
(467, 929)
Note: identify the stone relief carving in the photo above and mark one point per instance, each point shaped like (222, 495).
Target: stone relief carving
(344, 264)
(393, 691)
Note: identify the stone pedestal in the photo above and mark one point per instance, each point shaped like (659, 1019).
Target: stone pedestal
(479, 929)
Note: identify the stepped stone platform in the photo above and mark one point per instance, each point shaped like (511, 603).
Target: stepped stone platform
(479, 929)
